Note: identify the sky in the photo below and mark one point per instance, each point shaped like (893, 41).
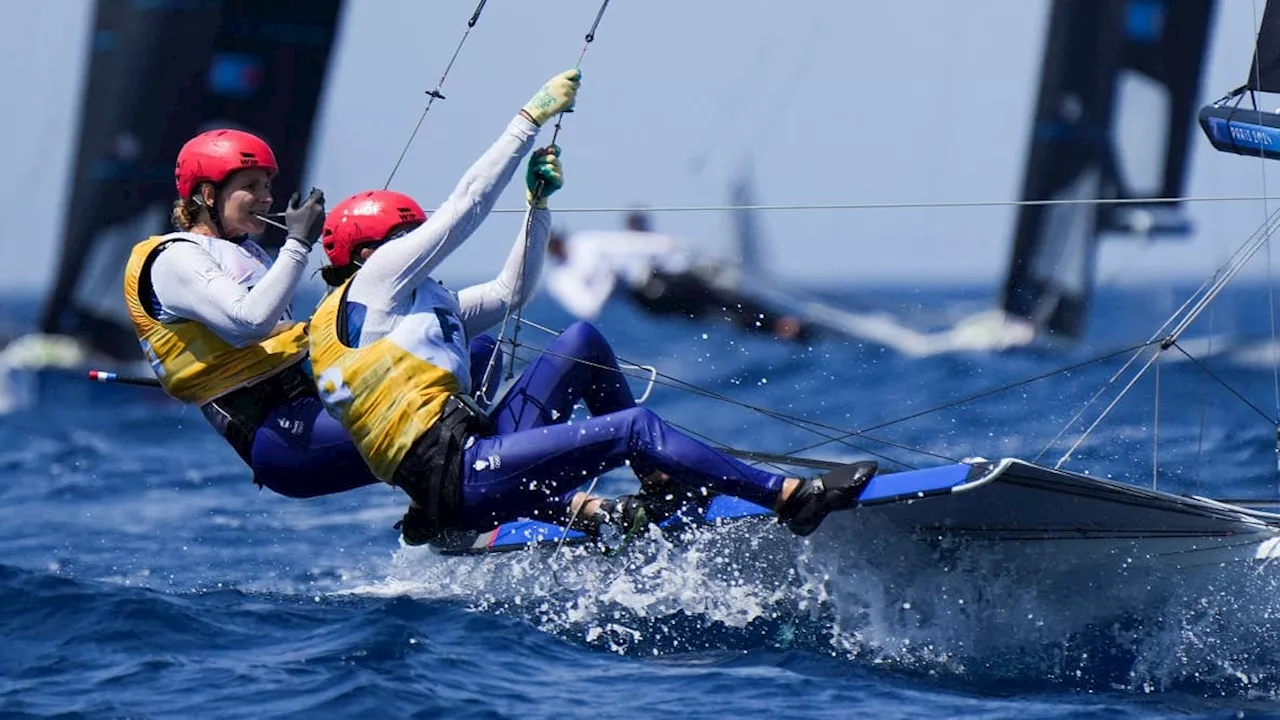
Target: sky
(858, 101)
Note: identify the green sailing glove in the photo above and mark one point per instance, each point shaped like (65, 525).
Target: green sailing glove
(556, 96)
(544, 176)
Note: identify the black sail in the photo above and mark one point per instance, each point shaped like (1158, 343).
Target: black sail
(1075, 156)
(159, 72)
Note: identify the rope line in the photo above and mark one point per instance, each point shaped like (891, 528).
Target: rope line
(897, 205)
(433, 95)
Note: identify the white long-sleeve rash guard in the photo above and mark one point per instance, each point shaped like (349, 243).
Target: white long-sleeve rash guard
(388, 279)
(191, 284)
(484, 305)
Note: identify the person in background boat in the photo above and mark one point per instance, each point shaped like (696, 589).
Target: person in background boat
(661, 278)
(211, 310)
(389, 351)
(585, 270)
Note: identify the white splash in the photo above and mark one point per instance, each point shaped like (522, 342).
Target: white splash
(874, 599)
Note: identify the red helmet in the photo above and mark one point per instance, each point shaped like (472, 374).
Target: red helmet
(367, 217)
(212, 156)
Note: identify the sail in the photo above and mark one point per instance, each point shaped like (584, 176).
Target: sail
(1113, 70)
(1249, 130)
(747, 235)
(1161, 68)
(158, 73)
(1264, 73)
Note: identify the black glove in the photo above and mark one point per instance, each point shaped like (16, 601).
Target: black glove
(304, 222)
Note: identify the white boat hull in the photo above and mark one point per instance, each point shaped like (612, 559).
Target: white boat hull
(1066, 521)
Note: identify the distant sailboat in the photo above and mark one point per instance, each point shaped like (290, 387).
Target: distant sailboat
(749, 277)
(1108, 65)
(1114, 120)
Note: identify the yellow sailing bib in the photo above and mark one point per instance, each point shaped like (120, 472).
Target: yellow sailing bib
(193, 364)
(385, 394)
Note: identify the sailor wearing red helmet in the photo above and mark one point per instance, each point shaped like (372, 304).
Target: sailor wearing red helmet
(211, 311)
(389, 351)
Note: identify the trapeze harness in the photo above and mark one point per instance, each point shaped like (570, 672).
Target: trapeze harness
(402, 398)
(235, 387)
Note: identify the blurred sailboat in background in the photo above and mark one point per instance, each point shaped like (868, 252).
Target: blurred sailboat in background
(1119, 88)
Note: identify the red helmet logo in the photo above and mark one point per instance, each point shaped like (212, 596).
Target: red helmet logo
(363, 218)
(212, 156)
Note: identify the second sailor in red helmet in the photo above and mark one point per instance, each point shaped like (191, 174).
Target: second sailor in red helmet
(389, 349)
(211, 310)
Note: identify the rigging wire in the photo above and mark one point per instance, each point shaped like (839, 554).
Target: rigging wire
(772, 461)
(792, 456)
(1204, 410)
(1234, 265)
(521, 279)
(775, 460)
(433, 95)
(528, 228)
(1271, 300)
(537, 193)
(1199, 363)
(845, 435)
(1115, 401)
(805, 206)
(1137, 352)
(812, 426)
(978, 396)
(1155, 430)
(1218, 282)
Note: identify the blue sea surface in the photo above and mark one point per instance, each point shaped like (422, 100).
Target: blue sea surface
(142, 574)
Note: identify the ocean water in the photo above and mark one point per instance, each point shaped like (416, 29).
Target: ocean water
(143, 575)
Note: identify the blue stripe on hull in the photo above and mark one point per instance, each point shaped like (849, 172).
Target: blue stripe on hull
(887, 488)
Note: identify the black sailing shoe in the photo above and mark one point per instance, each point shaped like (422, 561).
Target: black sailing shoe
(816, 497)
